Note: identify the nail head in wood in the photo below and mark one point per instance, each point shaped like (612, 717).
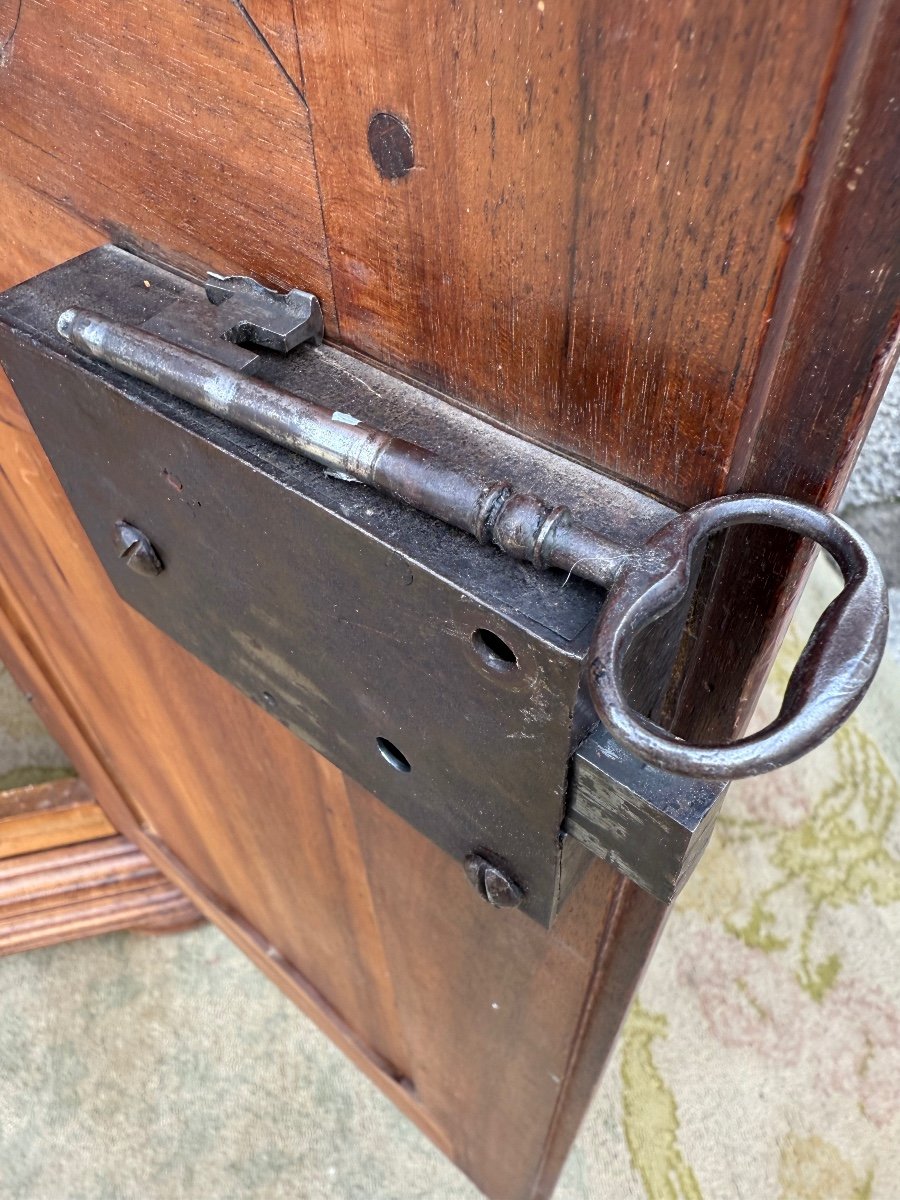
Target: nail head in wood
(391, 146)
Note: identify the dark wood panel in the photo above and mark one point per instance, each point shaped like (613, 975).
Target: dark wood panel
(25, 212)
(832, 344)
(172, 127)
(484, 1028)
(614, 237)
(589, 242)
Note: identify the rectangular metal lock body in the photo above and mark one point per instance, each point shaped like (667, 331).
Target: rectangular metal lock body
(442, 675)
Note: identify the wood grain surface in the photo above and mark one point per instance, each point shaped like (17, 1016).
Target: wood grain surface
(170, 127)
(589, 244)
(655, 235)
(71, 892)
(45, 815)
(486, 1029)
(826, 361)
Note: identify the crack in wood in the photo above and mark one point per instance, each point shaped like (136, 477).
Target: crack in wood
(267, 45)
(6, 46)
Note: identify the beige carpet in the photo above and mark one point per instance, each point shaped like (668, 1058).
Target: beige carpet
(27, 754)
(761, 1061)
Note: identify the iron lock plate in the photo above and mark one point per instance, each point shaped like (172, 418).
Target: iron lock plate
(381, 619)
(369, 629)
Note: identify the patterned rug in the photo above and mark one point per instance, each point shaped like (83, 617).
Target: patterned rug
(762, 1057)
(761, 1060)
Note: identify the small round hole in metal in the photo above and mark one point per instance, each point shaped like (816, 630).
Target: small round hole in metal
(493, 651)
(392, 756)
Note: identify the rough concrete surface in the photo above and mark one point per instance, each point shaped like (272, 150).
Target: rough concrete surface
(876, 476)
(27, 754)
(872, 500)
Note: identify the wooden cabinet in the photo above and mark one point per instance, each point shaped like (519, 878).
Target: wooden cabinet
(660, 238)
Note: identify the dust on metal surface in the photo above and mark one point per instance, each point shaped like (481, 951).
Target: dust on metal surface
(331, 604)
(644, 582)
(361, 624)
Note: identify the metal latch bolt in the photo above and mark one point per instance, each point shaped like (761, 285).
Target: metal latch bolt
(643, 583)
(447, 678)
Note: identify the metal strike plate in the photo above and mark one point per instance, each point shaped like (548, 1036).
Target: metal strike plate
(650, 824)
(442, 675)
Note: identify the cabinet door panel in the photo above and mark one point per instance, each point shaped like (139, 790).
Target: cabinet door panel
(588, 244)
(656, 236)
(484, 1027)
(171, 128)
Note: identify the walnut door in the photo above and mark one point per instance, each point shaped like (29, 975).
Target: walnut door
(656, 236)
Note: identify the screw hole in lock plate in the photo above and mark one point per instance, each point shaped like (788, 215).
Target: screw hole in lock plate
(392, 755)
(493, 651)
